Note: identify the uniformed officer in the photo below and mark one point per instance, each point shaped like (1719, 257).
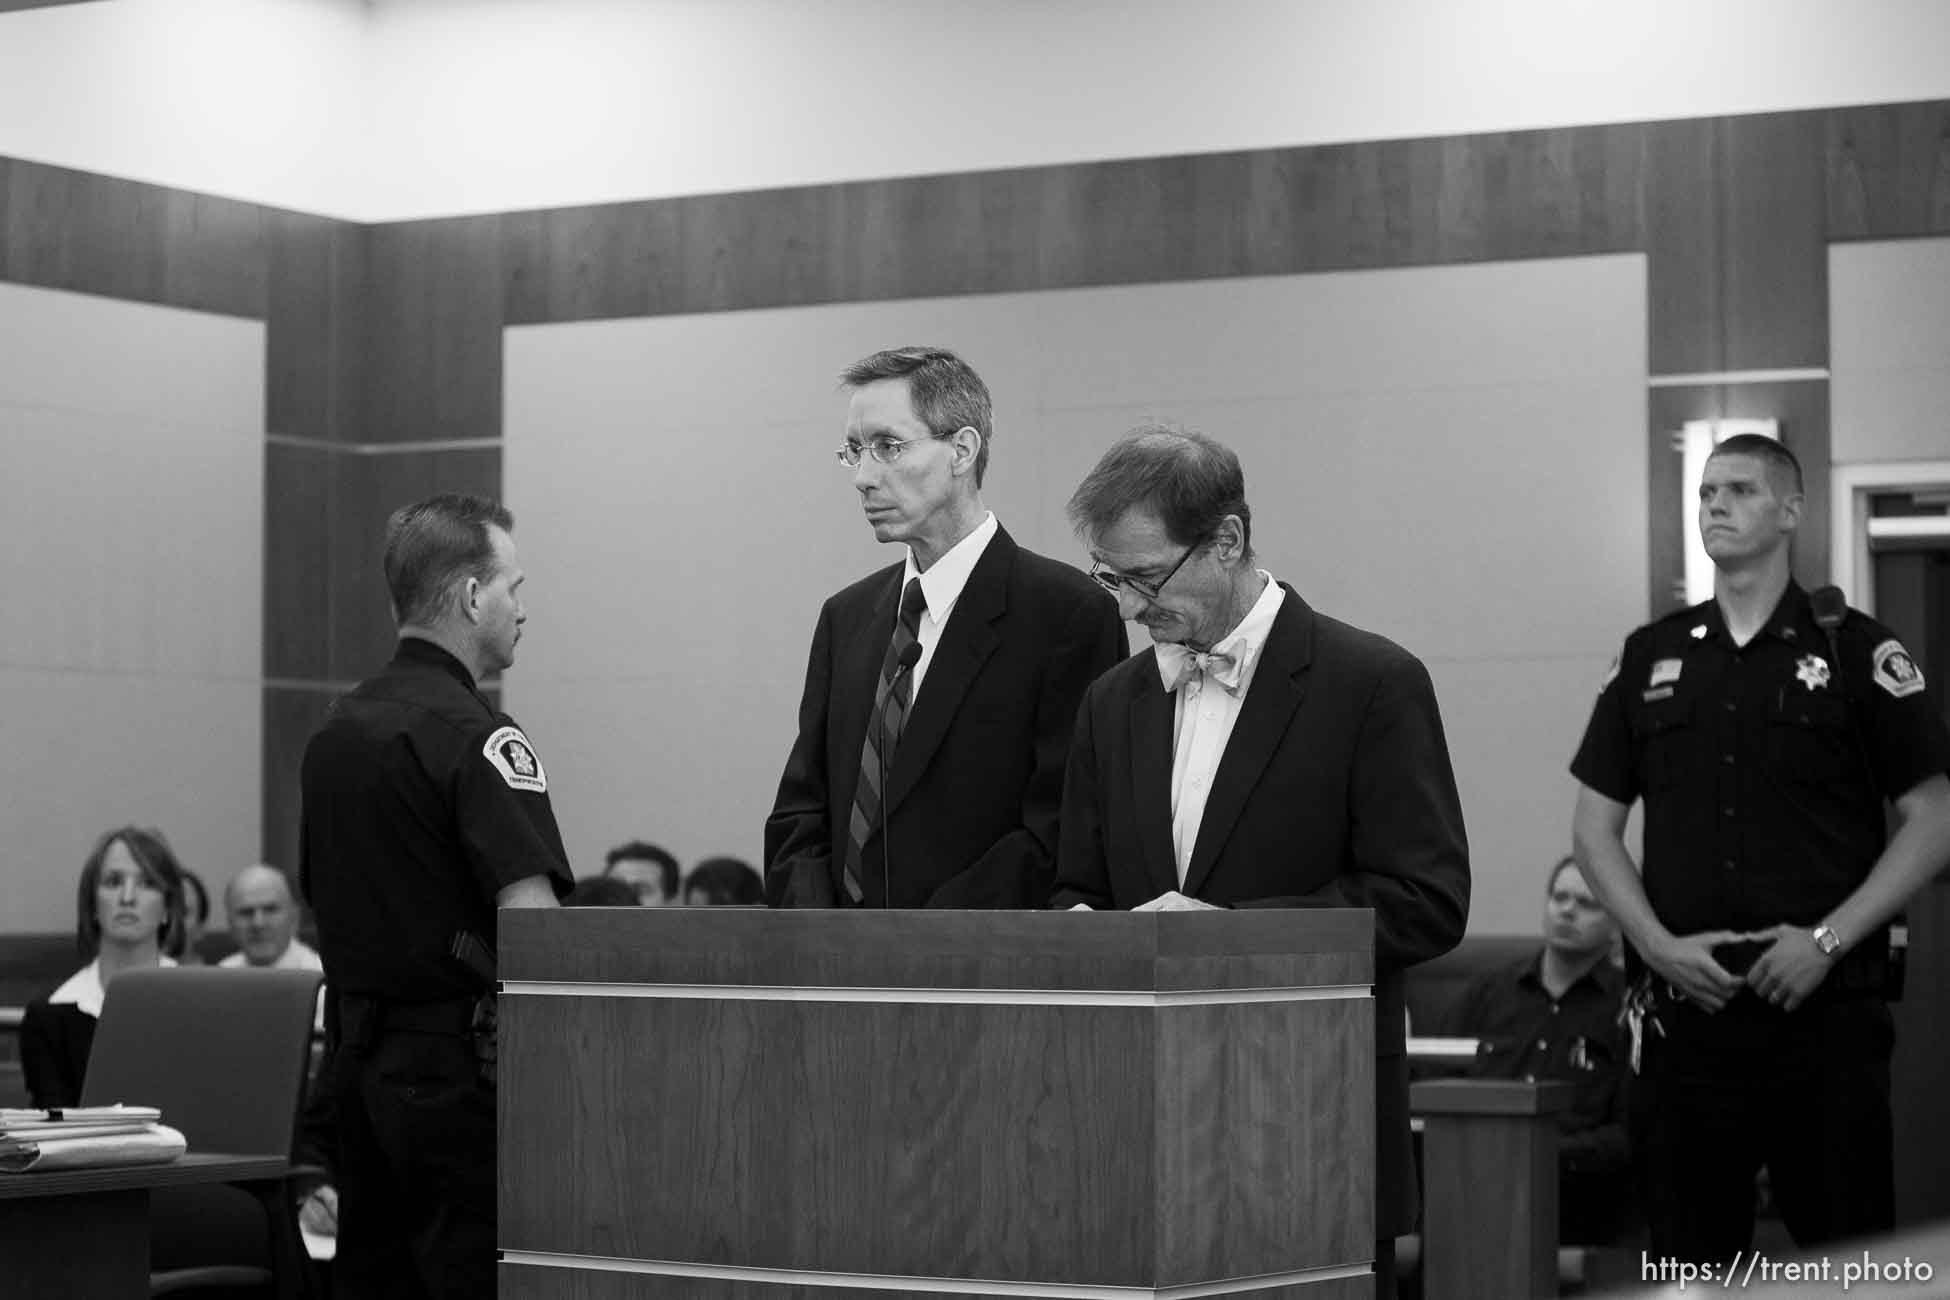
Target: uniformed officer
(1764, 743)
(425, 809)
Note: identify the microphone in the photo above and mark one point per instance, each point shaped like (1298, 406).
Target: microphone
(1829, 607)
(902, 666)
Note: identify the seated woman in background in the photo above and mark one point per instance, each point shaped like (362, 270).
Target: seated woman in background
(128, 906)
(184, 943)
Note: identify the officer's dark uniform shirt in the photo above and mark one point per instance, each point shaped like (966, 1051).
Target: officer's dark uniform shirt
(1764, 767)
(421, 803)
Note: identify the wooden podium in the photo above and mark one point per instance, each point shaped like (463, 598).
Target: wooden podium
(734, 1104)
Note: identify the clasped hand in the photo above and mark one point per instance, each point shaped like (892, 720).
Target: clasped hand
(1790, 969)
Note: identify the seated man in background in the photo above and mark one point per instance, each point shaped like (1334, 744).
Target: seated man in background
(724, 882)
(601, 891)
(652, 872)
(263, 919)
(1554, 1015)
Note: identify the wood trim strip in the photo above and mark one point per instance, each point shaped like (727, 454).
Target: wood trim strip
(1721, 378)
(383, 448)
(935, 997)
(946, 1285)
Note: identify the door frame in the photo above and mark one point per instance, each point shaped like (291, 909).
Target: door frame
(1850, 487)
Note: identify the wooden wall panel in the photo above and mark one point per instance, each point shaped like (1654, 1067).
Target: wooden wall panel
(432, 320)
(314, 332)
(1738, 268)
(1389, 203)
(366, 489)
(1775, 242)
(63, 229)
(299, 535)
(291, 714)
(1888, 171)
(1684, 247)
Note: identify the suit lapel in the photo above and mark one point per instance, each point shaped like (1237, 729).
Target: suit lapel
(965, 645)
(1278, 687)
(1151, 716)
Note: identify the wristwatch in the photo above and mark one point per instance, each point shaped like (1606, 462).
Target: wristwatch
(1827, 940)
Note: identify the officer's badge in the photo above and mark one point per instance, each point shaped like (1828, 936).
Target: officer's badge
(1812, 670)
(1895, 671)
(514, 759)
(1665, 670)
(1699, 633)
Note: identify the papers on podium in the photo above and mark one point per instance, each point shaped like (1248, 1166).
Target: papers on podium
(84, 1137)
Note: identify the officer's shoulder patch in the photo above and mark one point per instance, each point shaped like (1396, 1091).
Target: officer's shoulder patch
(514, 758)
(1611, 675)
(1895, 671)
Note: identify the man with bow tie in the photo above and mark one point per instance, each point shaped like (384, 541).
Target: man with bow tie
(1260, 755)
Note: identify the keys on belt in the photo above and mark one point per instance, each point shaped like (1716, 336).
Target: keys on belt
(1640, 1013)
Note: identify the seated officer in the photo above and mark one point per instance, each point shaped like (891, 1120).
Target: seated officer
(1554, 1015)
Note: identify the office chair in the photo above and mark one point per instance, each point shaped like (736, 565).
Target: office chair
(223, 1053)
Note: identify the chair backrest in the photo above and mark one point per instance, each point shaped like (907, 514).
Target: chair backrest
(222, 1052)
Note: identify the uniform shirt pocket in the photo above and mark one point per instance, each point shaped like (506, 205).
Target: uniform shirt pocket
(1809, 739)
(1665, 735)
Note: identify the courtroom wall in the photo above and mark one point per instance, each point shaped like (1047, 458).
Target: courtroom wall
(131, 552)
(1891, 323)
(1451, 456)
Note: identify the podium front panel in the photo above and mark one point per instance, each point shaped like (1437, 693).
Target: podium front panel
(934, 1130)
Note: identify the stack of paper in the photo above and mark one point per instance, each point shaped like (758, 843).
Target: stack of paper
(82, 1137)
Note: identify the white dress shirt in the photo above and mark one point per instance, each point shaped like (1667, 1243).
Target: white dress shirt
(1202, 720)
(298, 955)
(83, 990)
(942, 585)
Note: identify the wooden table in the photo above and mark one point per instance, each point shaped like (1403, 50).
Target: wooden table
(84, 1233)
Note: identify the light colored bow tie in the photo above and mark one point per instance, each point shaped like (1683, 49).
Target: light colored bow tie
(1177, 662)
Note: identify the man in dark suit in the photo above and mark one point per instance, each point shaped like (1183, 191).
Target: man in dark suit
(1260, 755)
(941, 691)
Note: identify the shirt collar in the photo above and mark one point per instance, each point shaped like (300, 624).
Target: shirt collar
(1531, 973)
(1242, 644)
(420, 651)
(83, 989)
(1246, 641)
(1793, 615)
(943, 582)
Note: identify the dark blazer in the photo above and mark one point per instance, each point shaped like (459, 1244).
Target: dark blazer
(976, 780)
(1335, 790)
(54, 1044)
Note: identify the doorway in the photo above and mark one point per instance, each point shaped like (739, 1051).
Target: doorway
(1907, 532)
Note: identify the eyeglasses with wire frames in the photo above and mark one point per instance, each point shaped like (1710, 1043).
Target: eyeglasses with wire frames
(1118, 583)
(881, 447)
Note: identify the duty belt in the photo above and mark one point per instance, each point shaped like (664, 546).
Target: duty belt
(364, 1020)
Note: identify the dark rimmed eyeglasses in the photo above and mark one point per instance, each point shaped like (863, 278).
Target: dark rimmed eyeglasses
(1118, 583)
(882, 448)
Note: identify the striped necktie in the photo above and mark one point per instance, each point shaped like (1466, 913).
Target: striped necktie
(890, 703)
